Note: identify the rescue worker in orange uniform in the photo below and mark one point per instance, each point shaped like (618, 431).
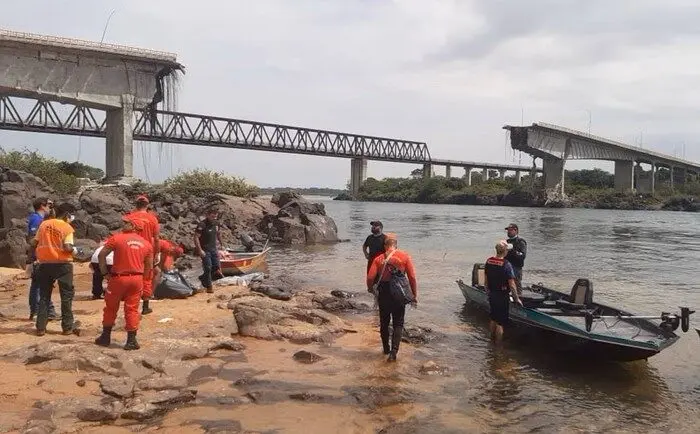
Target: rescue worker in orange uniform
(54, 249)
(133, 258)
(150, 231)
(169, 252)
(389, 309)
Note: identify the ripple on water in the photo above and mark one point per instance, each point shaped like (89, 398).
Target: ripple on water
(643, 261)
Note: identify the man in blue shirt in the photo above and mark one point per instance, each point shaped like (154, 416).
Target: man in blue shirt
(41, 210)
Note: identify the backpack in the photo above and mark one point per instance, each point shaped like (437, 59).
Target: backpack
(399, 286)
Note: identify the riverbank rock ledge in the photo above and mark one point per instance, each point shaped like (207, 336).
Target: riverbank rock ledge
(287, 218)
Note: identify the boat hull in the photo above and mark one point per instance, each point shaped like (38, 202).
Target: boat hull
(234, 264)
(560, 336)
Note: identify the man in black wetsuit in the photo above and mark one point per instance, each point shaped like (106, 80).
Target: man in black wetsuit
(517, 250)
(374, 244)
(500, 284)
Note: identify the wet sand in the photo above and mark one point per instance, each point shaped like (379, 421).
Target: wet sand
(352, 389)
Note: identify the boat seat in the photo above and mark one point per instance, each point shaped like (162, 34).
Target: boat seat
(532, 299)
(581, 296)
(478, 276)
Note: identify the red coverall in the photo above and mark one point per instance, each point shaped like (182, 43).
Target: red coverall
(126, 279)
(150, 228)
(168, 252)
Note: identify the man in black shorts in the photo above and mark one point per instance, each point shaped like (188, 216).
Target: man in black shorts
(374, 244)
(500, 283)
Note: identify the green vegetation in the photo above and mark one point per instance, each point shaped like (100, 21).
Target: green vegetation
(60, 175)
(584, 188)
(200, 182)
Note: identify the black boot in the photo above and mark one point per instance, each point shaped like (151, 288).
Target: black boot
(384, 333)
(395, 342)
(105, 338)
(145, 310)
(131, 343)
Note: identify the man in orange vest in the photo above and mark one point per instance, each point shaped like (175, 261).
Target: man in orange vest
(133, 258)
(389, 309)
(54, 249)
(150, 231)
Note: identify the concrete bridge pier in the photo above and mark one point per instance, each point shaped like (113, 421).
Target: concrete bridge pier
(358, 174)
(468, 175)
(485, 174)
(448, 171)
(644, 179)
(553, 172)
(502, 174)
(427, 171)
(624, 175)
(120, 144)
(518, 176)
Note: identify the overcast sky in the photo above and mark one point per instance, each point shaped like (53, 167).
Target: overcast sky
(450, 73)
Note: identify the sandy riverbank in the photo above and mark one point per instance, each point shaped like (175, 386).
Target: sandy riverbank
(195, 374)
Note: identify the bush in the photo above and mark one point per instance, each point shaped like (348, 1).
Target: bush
(48, 169)
(204, 182)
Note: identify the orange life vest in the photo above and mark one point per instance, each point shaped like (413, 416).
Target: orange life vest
(50, 237)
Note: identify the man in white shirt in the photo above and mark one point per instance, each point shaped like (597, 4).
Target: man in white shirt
(97, 277)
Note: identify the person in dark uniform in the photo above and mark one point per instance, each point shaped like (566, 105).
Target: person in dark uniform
(374, 244)
(517, 250)
(500, 283)
(206, 238)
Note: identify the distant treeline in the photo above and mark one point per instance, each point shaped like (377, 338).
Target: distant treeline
(311, 191)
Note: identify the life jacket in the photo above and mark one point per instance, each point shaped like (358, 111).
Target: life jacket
(50, 237)
(496, 274)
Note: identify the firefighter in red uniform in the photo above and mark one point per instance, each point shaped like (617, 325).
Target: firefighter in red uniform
(169, 252)
(133, 258)
(150, 232)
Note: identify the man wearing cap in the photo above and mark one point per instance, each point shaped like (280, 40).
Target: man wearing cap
(150, 231)
(207, 238)
(374, 243)
(54, 249)
(133, 258)
(389, 309)
(517, 250)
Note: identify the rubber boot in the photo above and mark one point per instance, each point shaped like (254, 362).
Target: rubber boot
(145, 310)
(384, 333)
(131, 343)
(395, 342)
(105, 338)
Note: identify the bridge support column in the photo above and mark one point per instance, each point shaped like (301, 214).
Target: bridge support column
(672, 174)
(468, 175)
(553, 172)
(518, 176)
(643, 180)
(502, 174)
(624, 175)
(484, 174)
(120, 145)
(427, 171)
(358, 174)
(448, 171)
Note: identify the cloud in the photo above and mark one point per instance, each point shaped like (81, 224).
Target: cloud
(450, 73)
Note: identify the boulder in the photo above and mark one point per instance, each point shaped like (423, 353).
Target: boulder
(265, 318)
(17, 192)
(13, 248)
(319, 229)
(117, 387)
(99, 411)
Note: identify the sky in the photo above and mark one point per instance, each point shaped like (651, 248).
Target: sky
(448, 73)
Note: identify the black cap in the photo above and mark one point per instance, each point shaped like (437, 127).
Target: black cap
(376, 223)
(512, 226)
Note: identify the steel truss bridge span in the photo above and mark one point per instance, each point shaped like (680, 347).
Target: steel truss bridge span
(192, 129)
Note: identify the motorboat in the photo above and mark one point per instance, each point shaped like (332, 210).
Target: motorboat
(574, 322)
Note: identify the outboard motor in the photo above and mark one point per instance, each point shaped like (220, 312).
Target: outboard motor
(247, 242)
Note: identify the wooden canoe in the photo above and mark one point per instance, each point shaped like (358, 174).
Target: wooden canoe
(236, 263)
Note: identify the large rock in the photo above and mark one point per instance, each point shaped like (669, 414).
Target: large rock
(13, 248)
(265, 318)
(17, 192)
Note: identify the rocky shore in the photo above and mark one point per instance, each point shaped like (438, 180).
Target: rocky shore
(286, 218)
(243, 359)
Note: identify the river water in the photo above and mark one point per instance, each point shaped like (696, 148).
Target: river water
(643, 261)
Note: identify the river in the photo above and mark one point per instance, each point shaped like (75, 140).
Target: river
(643, 261)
